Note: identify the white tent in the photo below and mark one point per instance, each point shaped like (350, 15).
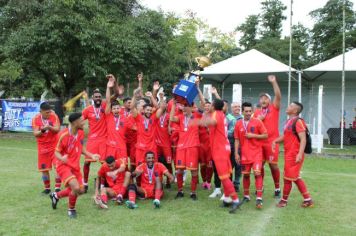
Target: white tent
(251, 66)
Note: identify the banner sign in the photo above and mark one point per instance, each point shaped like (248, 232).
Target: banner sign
(17, 115)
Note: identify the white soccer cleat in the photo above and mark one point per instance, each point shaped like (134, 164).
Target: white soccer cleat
(226, 199)
(216, 193)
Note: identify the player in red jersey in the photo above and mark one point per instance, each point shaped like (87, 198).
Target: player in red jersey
(188, 145)
(269, 114)
(95, 114)
(146, 124)
(68, 151)
(116, 126)
(294, 154)
(163, 142)
(220, 150)
(151, 173)
(205, 158)
(248, 134)
(113, 179)
(45, 127)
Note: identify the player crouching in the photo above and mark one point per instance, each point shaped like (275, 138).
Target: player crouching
(151, 181)
(113, 179)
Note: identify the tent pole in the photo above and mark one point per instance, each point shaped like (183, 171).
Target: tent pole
(299, 86)
(290, 51)
(222, 89)
(343, 79)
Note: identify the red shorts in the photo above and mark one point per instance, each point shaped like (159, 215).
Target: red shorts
(292, 169)
(96, 146)
(149, 191)
(174, 138)
(119, 189)
(166, 152)
(223, 165)
(116, 153)
(255, 166)
(45, 161)
(268, 155)
(140, 155)
(66, 173)
(131, 150)
(187, 158)
(204, 155)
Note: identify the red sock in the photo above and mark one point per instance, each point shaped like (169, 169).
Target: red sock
(209, 174)
(122, 191)
(229, 189)
(286, 189)
(180, 181)
(58, 182)
(263, 171)
(132, 196)
(276, 176)
(64, 193)
(203, 172)
(194, 183)
(86, 169)
(46, 181)
(104, 198)
(259, 185)
(302, 189)
(158, 194)
(72, 200)
(246, 184)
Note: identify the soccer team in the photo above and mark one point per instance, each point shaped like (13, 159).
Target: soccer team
(140, 140)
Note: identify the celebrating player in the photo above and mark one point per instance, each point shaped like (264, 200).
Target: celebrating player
(269, 114)
(294, 138)
(45, 127)
(248, 133)
(151, 173)
(95, 114)
(68, 151)
(116, 126)
(113, 173)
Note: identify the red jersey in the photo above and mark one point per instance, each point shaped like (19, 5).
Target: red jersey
(204, 136)
(146, 131)
(47, 141)
(271, 121)
(70, 145)
(174, 125)
(148, 175)
(96, 119)
(218, 134)
(131, 134)
(116, 130)
(120, 177)
(188, 132)
(251, 149)
(291, 141)
(162, 137)
(124, 112)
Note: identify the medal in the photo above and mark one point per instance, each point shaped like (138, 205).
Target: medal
(186, 122)
(265, 111)
(117, 122)
(150, 174)
(245, 124)
(146, 122)
(97, 113)
(162, 119)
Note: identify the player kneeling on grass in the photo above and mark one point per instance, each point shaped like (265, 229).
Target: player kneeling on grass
(151, 181)
(112, 174)
(294, 137)
(68, 151)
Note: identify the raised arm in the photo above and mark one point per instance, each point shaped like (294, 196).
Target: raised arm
(200, 94)
(277, 92)
(161, 109)
(152, 98)
(155, 88)
(133, 108)
(110, 84)
(173, 118)
(214, 91)
(140, 79)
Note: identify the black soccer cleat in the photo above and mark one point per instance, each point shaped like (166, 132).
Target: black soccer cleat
(86, 187)
(54, 200)
(180, 194)
(246, 199)
(72, 213)
(259, 203)
(193, 196)
(277, 193)
(225, 204)
(57, 190)
(46, 191)
(235, 206)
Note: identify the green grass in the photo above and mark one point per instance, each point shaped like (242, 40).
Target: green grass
(24, 211)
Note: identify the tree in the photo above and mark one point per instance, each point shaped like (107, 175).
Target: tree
(272, 18)
(327, 31)
(249, 30)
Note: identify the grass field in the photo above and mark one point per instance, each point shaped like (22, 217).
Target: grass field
(24, 211)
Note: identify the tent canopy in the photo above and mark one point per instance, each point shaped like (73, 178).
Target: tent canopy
(252, 66)
(332, 68)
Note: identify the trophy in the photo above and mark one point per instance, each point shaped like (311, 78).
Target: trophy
(186, 90)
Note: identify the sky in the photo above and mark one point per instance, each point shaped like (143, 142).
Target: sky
(227, 14)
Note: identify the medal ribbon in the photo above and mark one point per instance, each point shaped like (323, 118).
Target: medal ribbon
(146, 122)
(265, 111)
(117, 122)
(150, 173)
(71, 140)
(186, 122)
(97, 112)
(245, 124)
(162, 119)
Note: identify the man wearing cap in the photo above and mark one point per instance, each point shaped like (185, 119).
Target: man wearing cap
(68, 151)
(269, 115)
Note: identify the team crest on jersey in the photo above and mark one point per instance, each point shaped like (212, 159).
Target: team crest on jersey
(252, 129)
(81, 141)
(179, 162)
(156, 174)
